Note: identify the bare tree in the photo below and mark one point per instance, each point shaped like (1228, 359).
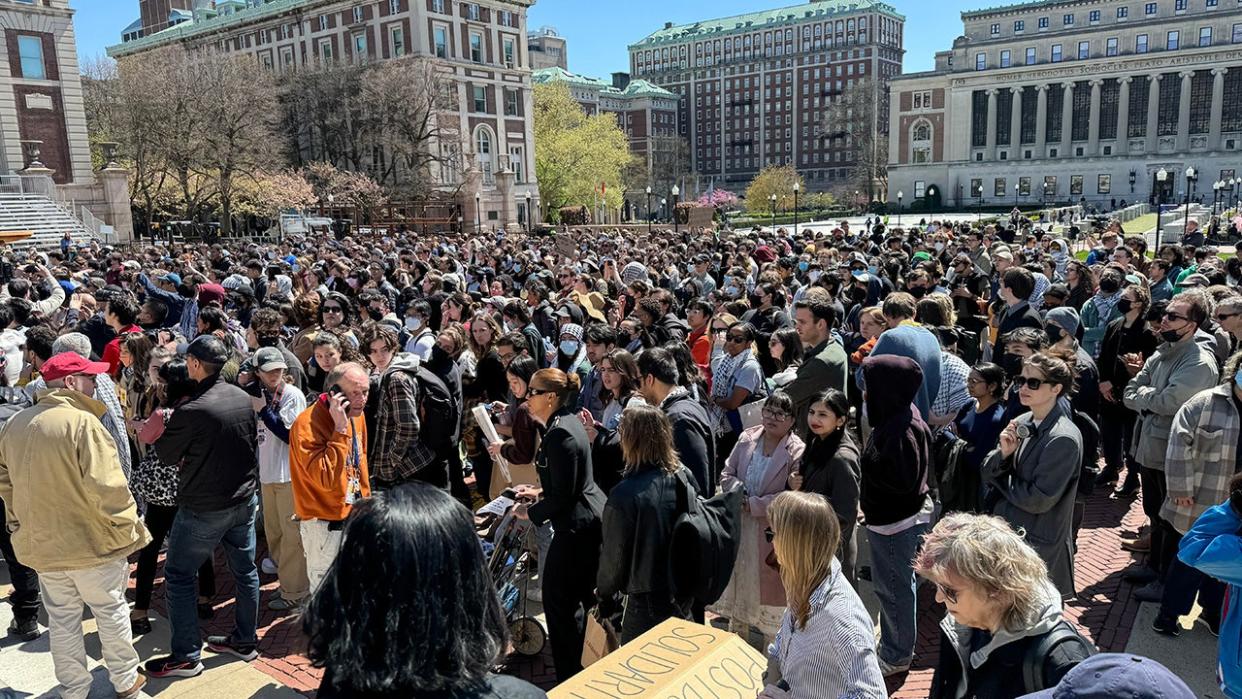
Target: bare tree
(857, 117)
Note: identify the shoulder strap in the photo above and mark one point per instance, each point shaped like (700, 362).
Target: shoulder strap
(683, 495)
(1034, 662)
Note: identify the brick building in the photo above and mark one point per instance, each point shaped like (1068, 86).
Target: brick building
(480, 44)
(754, 88)
(1060, 101)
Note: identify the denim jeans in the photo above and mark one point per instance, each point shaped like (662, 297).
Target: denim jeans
(892, 573)
(193, 538)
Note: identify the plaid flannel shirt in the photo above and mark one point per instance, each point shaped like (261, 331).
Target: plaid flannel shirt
(1202, 454)
(399, 453)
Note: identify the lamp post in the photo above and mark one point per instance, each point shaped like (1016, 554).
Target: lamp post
(772, 199)
(797, 186)
(1191, 176)
(1161, 176)
(1233, 188)
(663, 206)
(648, 211)
(1133, 179)
(927, 200)
(1216, 187)
(676, 223)
(900, 194)
(478, 214)
(528, 214)
(857, 196)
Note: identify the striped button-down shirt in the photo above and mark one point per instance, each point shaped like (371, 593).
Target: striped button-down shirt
(833, 657)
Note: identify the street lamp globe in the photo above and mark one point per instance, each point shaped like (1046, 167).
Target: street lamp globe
(648, 189)
(797, 186)
(1162, 175)
(931, 191)
(676, 190)
(900, 194)
(1190, 173)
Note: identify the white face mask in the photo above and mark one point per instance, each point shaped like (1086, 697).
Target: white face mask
(412, 323)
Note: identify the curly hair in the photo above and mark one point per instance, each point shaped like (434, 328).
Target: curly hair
(985, 551)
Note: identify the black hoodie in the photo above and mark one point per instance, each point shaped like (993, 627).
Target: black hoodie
(897, 458)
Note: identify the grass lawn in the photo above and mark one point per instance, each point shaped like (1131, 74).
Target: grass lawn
(1143, 224)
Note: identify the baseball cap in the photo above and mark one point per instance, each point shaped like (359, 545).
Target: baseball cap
(172, 278)
(1109, 675)
(68, 364)
(209, 349)
(269, 358)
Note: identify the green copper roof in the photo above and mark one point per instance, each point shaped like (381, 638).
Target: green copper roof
(1032, 4)
(636, 88)
(764, 19)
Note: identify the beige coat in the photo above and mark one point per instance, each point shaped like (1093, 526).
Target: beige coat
(66, 498)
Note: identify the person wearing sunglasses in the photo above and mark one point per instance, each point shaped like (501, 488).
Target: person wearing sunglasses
(1000, 607)
(1125, 335)
(760, 464)
(1033, 472)
(1228, 315)
(737, 379)
(1182, 366)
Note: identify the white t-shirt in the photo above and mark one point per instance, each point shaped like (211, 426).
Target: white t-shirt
(274, 451)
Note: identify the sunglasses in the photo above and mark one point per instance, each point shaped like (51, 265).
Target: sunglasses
(735, 338)
(1168, 315)
(333, 309)
(532, 392)
(720, 330)
(768, 534)
(1031, 382)
(948, 592)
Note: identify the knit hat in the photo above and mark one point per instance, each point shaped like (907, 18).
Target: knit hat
(633, 272)
(1065, 318)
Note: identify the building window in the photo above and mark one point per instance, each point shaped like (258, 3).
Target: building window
(1004, 58)
(325, 50)
(1140, 43)
(472, 12)
(357, 14)
(1019, 25)
(360, 47)
(1030, 56)
(437, 6)
(483, 149)
(394, 7)
(1172, 40)
(1056, 53)
(1149, 9)
(396, 35)
(480, 98)
(1024, 186)
(510, 53)
(1093, 16)
(323, 23)
(981, 61)
(1209, 3)
(1110, 46)
(998, 187)
(30, 49)
(517, 163)
(1180, 5)
(440, 38)
(1067, 20)
(996, 30)
(1075, 185)
(921, 132)
(1237, 33)
(476, 47)
(1205, 36)
(1123, 12)
(511, 102)
(1084, 50)
(976, 188)
(1043, 22)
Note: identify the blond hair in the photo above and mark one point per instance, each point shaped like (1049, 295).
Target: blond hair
(807, 536)
(647, 439)
(986, 552)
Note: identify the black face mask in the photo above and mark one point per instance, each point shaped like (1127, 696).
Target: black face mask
(1124, 306)
(917, 292)
(374, 314)
(1055, 333)
(438, 355)
(1012, 364)
(756, 301)
(858, 294)
(1171, 335)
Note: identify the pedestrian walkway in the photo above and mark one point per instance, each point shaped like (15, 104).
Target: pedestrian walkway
(1105, 611)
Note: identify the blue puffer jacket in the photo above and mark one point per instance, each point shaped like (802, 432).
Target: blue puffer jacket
(1214, 546)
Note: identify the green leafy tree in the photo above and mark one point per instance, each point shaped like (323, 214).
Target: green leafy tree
(575, 153)
(778, 180)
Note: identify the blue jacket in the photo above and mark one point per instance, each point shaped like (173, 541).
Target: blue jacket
(1214, 546)
(175, 302)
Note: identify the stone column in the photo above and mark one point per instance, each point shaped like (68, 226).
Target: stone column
(1153, 113)
(990, 149)
(1041, 121)
(1123, 116)
(1183, 111)
(508, 204)
(1067, 120)
(1093, 123)
(1015, 124)
(115, 183)
(1218, 107)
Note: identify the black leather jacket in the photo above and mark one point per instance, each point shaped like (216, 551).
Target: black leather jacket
(638, 527)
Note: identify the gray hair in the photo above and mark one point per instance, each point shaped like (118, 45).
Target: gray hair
(77, 343)
(341, 370)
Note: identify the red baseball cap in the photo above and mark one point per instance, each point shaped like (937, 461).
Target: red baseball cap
(68, 364)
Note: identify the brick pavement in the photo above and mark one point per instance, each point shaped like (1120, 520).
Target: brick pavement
(1104, 611)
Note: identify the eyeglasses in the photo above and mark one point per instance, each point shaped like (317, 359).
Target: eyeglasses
(948, 592)
(1169, 315)
(768, 534)
(1031, 382)
(975, 381)
(772, 414)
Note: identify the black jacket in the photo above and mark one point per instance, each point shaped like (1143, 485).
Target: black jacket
(676, 328)
(571, 499)
(831, 468)
(694, 439)
(213, 438)
(1002, 675)
(1027, 317)
(766, 322)
(638, 528)
(1120, 340)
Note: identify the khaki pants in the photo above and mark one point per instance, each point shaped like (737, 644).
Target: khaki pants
(322, 545)
(284, 540)
(101, 588)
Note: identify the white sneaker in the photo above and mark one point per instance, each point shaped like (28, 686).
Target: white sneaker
(268, 566)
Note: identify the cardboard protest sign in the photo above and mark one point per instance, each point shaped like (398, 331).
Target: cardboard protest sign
(676, 660)
(565, 244)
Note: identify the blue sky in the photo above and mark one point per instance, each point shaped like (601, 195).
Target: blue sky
(598, 31)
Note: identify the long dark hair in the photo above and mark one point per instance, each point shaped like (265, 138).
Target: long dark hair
(407, 607)
(177, 382)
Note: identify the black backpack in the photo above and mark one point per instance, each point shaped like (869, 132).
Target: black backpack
(1033, 663)
(704, 541)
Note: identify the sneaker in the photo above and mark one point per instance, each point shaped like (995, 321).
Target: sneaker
(140, 627)
(170, 666)
(1166, 625)
(25, 629)
(1213, 625)
(1138, 574)
(1106, 477)
(280, 604)
(224, 644)
(1129, 488)
(887, 670)
(1151, 592)
(268, 566)
(134, 690)
(1139, 545)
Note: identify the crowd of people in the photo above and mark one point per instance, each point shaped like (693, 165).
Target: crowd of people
(936, 400)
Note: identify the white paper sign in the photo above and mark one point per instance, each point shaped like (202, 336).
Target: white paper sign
(484, 418)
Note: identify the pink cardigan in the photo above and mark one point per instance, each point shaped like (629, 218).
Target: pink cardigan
(784, 460)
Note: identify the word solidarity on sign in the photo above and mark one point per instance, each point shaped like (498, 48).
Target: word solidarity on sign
(676, 660)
